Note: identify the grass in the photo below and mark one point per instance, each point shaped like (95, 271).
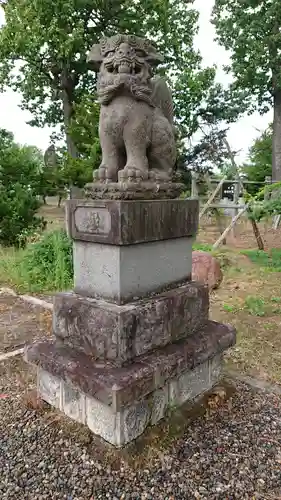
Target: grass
(204, 247)
(43, 266)
(267, 260)
(249, 298)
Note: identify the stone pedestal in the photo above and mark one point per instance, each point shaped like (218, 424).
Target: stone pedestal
(133, 338)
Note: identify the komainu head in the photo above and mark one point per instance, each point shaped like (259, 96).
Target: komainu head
(123, 61)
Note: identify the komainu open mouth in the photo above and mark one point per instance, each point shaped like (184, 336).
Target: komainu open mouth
(123, 67)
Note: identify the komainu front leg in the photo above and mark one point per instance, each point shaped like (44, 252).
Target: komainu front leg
(136, 142)
(112, 161)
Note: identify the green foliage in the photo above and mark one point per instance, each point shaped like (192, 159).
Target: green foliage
(43, 266)
(19, 173)
(20, 164)
(259, 164)
(84, 129)
(250, 30)
(49, 262)
(268, 260)
(261, 208)
(276, 300)
(47, 42)
(255, 305)
(84, 132)
(18, 207)
(258, 306)
(204, 247)
(266, 209)
(49, 182)
(229, 308)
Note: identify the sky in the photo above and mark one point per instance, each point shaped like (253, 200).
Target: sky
(241, 134)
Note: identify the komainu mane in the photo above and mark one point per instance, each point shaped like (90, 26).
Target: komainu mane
(136, 119)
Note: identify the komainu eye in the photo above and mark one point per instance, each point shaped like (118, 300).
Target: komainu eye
(140, 53)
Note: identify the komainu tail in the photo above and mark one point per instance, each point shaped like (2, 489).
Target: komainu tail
(162, 97)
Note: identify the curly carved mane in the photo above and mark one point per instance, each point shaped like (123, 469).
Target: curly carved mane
(109, 88)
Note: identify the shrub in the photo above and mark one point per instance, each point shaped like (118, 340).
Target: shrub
(19, 170)
(18, 207)
(43, 266)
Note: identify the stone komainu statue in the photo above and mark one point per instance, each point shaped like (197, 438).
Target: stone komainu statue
(136, 118)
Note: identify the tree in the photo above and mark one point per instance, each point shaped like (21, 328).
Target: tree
(259, 164)
(48, 41)
(250, 30)
(19, 170)
(84, 131)
(20, 164)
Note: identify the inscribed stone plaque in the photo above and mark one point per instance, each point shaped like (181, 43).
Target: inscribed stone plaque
(124, 223)
(92, 220)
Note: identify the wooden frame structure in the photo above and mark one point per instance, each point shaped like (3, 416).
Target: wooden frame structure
(239, 209)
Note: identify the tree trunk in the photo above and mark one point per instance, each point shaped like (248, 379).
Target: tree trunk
(276, 142)
(257, 234)
(67, 114)
(67, 93)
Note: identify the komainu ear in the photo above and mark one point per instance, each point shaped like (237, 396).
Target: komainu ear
(94, 57)
(153, 57)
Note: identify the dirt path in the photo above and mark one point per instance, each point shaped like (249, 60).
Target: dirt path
(21, 322)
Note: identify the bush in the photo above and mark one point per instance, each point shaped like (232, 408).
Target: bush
(20, 167)
(43, 266)
(18, 207)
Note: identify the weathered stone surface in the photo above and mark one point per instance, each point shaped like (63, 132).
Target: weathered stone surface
(120, 333)
(215, 366)
(131, 222)
(136, 117)
(49, 387)
(103, 421)
(120, 387)
(123, 273)
(206, 269)
(135, 420)
(73, 403)
(148, 190)
(159, 402)
(126, 424)
(188, 385)
(192, 383)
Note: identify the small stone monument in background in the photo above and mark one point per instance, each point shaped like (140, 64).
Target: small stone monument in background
(134, 337)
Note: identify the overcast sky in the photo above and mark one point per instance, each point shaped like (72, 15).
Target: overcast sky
(241, 134)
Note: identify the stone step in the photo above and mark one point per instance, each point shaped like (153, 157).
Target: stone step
(119, 333)
(119, 387)
(118, 404)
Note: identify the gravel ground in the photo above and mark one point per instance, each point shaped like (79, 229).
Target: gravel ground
(232, 453)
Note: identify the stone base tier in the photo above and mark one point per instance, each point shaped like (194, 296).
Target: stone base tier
(142, 190)
(125, 250)
(121, 274)
(118, 404)
(120, 333)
